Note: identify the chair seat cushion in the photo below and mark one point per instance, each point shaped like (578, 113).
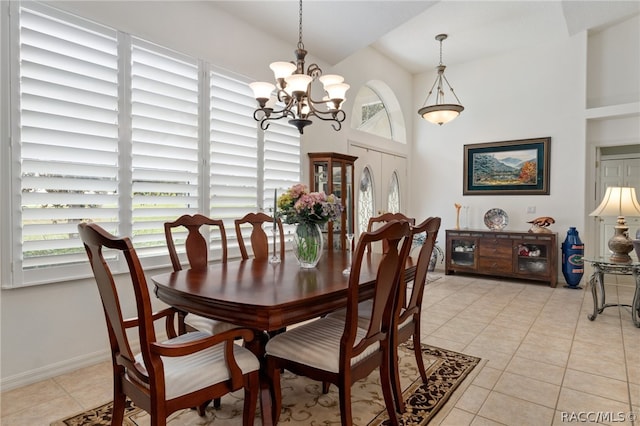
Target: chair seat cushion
(316, 344)
(364, 313)
(205, 368)
(207, 325)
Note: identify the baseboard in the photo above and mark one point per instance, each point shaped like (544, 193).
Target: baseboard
(63, 367)
(53, 370)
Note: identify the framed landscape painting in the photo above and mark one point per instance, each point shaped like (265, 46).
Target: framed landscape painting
(519, 167)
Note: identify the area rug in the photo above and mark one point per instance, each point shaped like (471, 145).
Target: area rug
(304, 403)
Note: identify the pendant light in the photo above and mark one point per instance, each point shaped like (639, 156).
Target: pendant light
(440, 112)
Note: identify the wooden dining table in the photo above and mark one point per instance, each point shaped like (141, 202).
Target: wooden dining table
(267, 297)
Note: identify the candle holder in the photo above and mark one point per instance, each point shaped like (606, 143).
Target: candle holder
(347, 271)
(275, 258)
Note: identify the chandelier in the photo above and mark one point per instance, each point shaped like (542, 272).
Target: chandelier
(293, 92)
(440, 112)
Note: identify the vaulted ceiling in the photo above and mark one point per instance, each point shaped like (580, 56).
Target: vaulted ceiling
(405, 30)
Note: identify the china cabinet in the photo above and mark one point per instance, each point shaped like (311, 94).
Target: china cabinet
(522, 255)
(332, 173)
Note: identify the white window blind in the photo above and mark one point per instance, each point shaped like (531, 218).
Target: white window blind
(164, 139)
(68, 138)
(281, 167)
(234, 148)
(112, 129)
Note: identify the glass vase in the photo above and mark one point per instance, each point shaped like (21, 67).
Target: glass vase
(307, 244)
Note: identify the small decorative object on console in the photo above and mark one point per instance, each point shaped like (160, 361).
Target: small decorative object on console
(539, 225)
(496, 219)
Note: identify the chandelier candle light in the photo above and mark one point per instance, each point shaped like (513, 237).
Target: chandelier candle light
(440, 112)
(293, 92)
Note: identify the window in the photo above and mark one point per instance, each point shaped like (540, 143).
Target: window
(393, 201)
(68, 149)
(164, 143)
(116, 130)
(370, 114)
(366, 202)
(376, 111)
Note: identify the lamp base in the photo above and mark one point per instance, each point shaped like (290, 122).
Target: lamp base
(620, 245)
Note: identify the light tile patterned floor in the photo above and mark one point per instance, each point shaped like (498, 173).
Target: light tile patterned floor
(547, 364)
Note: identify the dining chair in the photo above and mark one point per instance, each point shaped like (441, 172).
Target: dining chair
(408, 309)
(335, 350)
(259, 239)
(197, 251)
(184, 371)
(380, 220)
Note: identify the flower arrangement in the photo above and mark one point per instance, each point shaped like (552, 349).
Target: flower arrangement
(298, 205)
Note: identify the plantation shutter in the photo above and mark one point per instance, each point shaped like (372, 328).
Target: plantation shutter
(67, 138)
(164, 136)
(281, 160)
(234, 148)
(115, 130)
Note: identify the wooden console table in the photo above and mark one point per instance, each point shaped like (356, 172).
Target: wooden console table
(521, 255)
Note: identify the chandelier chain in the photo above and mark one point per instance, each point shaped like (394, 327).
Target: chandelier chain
(300, 44)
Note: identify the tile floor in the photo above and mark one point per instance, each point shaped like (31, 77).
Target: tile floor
(546, 363)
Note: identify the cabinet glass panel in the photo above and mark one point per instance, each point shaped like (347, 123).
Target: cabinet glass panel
(533, 258)
(463, 252)
(321, 177)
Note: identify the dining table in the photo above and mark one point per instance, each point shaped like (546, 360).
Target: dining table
(267, 297)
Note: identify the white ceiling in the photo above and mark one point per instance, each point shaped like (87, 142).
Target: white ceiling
(405, 30)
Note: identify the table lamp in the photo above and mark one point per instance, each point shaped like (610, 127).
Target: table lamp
(620, 202)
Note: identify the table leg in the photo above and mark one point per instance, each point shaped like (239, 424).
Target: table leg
(635, 306)
(266, 404)
(597, 286)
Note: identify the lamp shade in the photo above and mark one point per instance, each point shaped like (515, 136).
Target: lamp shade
(297, 83)
(337, 91)
(261, 89)
(440, 113)
(329, 79)
(618, 201)
(282, 69)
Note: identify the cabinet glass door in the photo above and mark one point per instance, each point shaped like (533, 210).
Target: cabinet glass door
(463, 252)
(532, 258)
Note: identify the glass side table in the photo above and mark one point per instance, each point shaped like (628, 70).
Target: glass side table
(602, 266)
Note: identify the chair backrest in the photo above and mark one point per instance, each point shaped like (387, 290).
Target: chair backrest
(397, 234)
(95, 239)
(410, 305)
(195, 244)
(259, 239)
(377, 221)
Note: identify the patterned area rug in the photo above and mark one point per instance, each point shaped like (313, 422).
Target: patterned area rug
(304, 403)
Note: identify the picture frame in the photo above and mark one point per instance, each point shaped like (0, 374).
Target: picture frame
(517, 167)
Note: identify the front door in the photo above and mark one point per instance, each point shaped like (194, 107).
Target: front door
(380, 180)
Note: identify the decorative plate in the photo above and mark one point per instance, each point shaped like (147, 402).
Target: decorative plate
(496, 219)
